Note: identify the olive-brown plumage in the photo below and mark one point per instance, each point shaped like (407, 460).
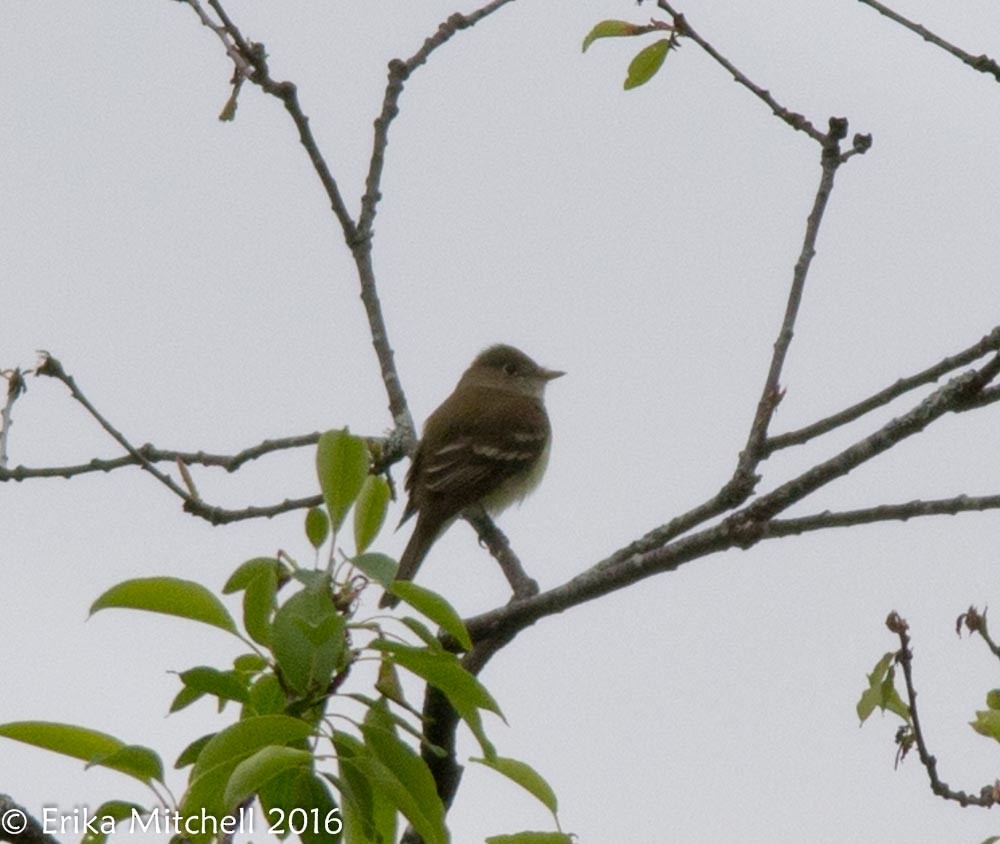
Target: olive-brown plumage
(487, 444)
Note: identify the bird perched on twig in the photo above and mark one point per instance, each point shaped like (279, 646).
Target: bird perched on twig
(487, 444)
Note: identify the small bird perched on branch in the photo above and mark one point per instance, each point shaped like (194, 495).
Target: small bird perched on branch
(487, 444)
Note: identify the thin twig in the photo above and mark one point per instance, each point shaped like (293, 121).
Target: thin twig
(521, 584)
(982, 63)
(743, 529)
(228, 462)
(255, 68)
(52, 368)
(399, 72)
(796, 121)
(882, 513)
(222, 516)
(991, 342)
(242, 65)
(975, 622)
(739, 488)
(216, 515)
(745, 474)
(15, 387)
(948, 398)
(904, 658)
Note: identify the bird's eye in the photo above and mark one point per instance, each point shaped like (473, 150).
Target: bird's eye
(510, 368)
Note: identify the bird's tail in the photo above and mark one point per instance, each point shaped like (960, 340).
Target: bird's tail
(424, 534)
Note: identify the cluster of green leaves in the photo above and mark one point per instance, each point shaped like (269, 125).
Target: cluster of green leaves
(649, 59)
(299, 746)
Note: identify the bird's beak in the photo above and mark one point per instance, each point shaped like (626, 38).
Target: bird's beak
(552, 374)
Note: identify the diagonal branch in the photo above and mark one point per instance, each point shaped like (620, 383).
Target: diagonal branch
(251, 63)
(982, 63)
(742, 529)
(192, 503)
(753, 452)
(229, 462)
(53, 369)
(991, 342)
(796, 121)
(399, 72)
(882, 513)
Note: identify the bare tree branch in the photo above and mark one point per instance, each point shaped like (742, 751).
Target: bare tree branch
(982, 63)
(882, 513)
(399, 72)
(771, 395)
(148, 451)
(742, 529)
(52, 368)
(252, 64)
(192, 503)
(15, 386)
(904, 658)
(991, 342)
(796, 121)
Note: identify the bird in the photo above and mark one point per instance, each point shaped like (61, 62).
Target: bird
(487, 444)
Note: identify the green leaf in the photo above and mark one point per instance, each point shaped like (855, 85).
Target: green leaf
(258, 606)
(423, 632)
(135, 760)
(646, 62)
(308, 640)
(91, 746)
(258, 580)
(250, 663)
(189, 755)
(412, 774)
(170, 596)
(342, 466)
(318, 816)
(226, 685)
(220, 756)
(263, 766)
(388, 684)
(384, 783)
(531, 838)
(66, 739)
(370, 510)
(881, 692)
(377, 567)
(246, 573)
(317, 527)
(266, 697)
(435, 607)
(612, 29)
(443, 671)
(987, 723)
(525, 776)
(993, 699)
(185, 697)
(368, 814)
(246, 737)
(119, 810)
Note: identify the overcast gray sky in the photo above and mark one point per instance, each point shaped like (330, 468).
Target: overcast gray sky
(189, 274)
